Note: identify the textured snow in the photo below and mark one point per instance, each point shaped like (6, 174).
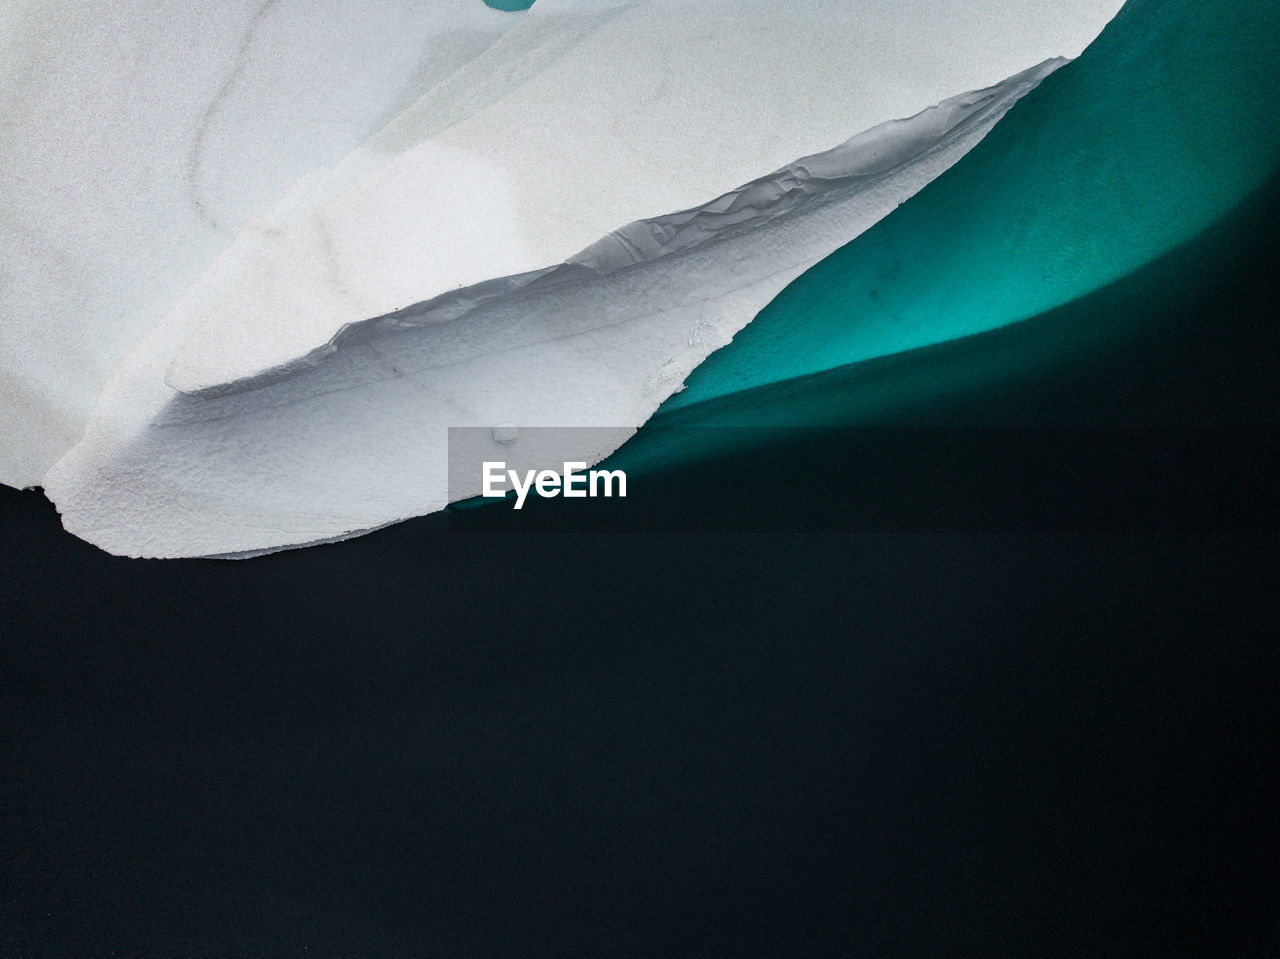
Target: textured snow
(136, 136)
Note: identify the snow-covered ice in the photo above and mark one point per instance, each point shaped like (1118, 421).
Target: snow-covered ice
(258, 255)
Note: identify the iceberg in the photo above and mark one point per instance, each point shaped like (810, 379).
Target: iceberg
(465, 264)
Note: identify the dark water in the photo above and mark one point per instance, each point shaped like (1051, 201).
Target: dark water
(437, 740)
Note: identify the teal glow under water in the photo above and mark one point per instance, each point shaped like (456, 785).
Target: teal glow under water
(1167, 122)
(1083, 220)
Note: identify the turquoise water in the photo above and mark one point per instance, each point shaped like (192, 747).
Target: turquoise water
(1107, 198)
(1186, 341)
(1167, 122)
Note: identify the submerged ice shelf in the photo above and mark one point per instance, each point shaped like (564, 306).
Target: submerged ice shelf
(654, 106)
(1159, 130)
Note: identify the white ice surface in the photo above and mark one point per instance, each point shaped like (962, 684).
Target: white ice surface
(135, 138)
(358, 438)
(655, 106)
